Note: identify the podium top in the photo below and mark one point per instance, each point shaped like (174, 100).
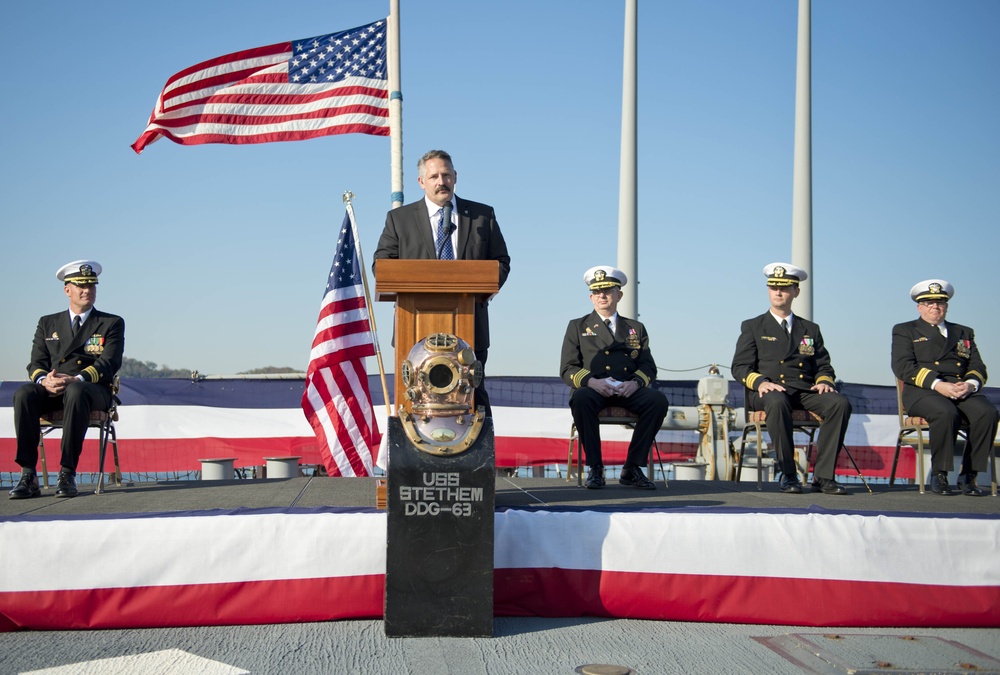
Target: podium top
(475, 277)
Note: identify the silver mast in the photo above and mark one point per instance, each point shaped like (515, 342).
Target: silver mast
(802, 169)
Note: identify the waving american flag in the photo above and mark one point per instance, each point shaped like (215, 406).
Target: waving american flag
(319, 86)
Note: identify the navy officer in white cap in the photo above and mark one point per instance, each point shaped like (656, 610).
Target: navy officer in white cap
(783, 363)
(607, 362)
(943, 376)
(74, 358)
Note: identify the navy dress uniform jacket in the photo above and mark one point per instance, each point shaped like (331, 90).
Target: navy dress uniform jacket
(764, 352)
(590, 350)
(95, 353)
(921, 355)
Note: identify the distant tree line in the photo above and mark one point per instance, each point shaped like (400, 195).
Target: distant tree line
(148, 369)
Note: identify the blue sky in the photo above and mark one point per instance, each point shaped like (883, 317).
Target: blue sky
(217, 255)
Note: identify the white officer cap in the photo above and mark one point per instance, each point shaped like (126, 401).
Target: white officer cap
(932, 289)
(79, 272)
(604, 276)
(784, 274)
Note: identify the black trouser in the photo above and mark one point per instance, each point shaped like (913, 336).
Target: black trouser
(945, 417)
(832, 406)
(31, 401)
(649, 404)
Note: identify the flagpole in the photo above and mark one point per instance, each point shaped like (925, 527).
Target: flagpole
(348, 196)
(395, 107)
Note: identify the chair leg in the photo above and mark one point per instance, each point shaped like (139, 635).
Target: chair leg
(860, 475)
(41, 449)
(569, 458)
(743, 448)
(920, 460)
(659, 459)
(804, 466)
(114, 449)
(760, 459)
(993, 470)
(895, 459)
(103, 445)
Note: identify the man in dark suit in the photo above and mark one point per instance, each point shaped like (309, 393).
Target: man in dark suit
(74, 358)
(781, 359)
(443, 226)
(607, 362)
(943, 374)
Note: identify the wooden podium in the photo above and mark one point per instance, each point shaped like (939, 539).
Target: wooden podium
(433, 296)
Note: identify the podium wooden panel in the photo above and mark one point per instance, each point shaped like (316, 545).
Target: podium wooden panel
(433, 296)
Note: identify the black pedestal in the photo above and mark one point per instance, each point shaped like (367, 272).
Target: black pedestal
(439, 554)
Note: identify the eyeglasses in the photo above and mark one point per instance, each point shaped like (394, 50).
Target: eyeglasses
(602, 291)
(931, 303)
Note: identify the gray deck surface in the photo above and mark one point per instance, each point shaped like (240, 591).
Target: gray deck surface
(519, 645)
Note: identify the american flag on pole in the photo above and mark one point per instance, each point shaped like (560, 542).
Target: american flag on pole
(320, 86)
(336, 400)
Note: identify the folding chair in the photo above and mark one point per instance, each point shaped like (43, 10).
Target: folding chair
(915, 427)
(804, 422)
(610, 415)
(99, 419)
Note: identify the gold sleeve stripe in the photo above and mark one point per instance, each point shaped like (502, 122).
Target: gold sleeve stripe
(921, 376)
(645, 378)
(825, 378)
(752, 380)
(38, 372)
(92, 374)
(976, 374)
(578, 377)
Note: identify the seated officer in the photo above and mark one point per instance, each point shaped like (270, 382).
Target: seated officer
(943, 375)
(607, 362)
(74, 358)
(782, 361)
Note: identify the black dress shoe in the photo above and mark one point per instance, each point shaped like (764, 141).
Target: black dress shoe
(968, 485)
(66, 487)
(27, 487)
(634, 476)
(830, 486)
(939, 484)
(790, 484)
(595, 478)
